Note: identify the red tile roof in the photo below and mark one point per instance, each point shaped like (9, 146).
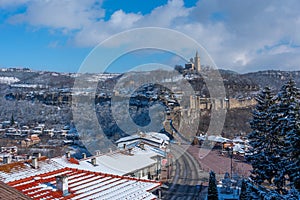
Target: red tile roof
(17, 165)
(74, 161)
(84, 184)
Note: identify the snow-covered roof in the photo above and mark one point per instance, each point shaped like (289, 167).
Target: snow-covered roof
(119, 163)
(87, 165)
(217, 138)
(83, 184)
(19, 170)
(238, 140)
(159, 136)
(128, 138)
(152, 137)
(214, 138)
(239, 148)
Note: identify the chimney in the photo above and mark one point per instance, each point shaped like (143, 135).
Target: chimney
(97, 152)
(6, 159)
(93, 161)
(129, 150)
(35, 163)
(68, 154)
(62, 184)
(84, 155)
(37, 155)
(142, 146)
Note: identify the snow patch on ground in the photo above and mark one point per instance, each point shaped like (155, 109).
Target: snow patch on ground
(8, 80)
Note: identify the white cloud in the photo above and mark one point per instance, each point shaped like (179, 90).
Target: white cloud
(59, 14)
(247, 28)
(167, 15)
(122, 20)
(164, 16)
(236, 40)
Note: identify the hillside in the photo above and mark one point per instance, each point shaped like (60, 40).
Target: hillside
(38, 96)
(273, 78)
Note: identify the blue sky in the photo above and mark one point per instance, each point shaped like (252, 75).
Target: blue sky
(57, 35)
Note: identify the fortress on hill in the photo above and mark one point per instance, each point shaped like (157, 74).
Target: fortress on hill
(198, 102)
(194, 63)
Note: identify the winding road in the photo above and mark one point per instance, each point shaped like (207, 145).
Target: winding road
(186, 176)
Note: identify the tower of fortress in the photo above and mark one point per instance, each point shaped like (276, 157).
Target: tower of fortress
(197, 65)
(194, 63)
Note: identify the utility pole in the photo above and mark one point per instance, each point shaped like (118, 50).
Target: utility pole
(230, 153)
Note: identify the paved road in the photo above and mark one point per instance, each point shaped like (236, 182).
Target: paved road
(185, 177)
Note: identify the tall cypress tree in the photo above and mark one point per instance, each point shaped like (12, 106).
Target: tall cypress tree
(260, 139)
(212, 187)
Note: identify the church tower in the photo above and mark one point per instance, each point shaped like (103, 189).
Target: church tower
(197, 64)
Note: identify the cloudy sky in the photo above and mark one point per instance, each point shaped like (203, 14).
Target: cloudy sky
(242, 36)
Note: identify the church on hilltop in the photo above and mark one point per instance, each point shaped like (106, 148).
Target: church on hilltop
(194, 63)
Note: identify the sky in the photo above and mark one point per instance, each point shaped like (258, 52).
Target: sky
(57, 35)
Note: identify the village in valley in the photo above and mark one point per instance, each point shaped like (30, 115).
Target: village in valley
(43, 160)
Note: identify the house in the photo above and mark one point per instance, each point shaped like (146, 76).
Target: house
(154, 139)
(11, 171)
(33, 139)
(13, 132)
(140, 162)
(70, 183)
(38, 129)
(11, 150)
(42, 178)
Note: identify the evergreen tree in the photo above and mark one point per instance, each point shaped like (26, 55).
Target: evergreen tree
(260, 140)
(293, 143)
(244, 192)
(212, 187)
(292, 130)
(275, 137)
(12, 120)
(284, 121)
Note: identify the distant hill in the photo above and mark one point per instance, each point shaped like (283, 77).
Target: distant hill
(273, 78)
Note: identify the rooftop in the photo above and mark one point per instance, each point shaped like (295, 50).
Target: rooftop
(7, 192)
(83, 184)
(19, 170)
(150, 137)
(119, 162)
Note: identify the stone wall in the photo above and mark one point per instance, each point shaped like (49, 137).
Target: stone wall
(197, 102)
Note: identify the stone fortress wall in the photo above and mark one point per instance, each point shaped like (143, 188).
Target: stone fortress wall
(196, 102)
